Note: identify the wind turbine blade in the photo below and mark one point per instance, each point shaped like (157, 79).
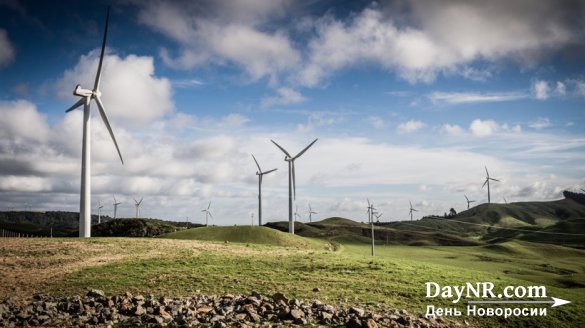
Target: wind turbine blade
(107, 123)
(466, 197)
(486, 181)
(494, 179)
(99, 70)
(486, 172)
(135, 200)
(368, 201)
(209, 205)
(294, 186)
(284, 151)
(140, 202)
(410, 204)
(304, 150)
(269, 171)
(210, 215)
(259, 169)
(76, 105)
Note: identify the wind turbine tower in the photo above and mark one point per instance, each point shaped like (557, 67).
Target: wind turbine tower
(100, 206)
(411, 210)
(137, 205)
(468, 201)
(86, 97)
(487, 181)
(297, 215)
(259, 173)
(207, 213)
(291, 181)
(311, 212)
(371, 212)
(116, 203)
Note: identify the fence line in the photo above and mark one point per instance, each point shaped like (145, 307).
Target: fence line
(4, 233)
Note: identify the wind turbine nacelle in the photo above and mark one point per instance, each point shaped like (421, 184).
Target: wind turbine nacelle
(79, 91)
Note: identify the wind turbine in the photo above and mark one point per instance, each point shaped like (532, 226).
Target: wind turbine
(411, 210)
(291, 181)
(297, 215)
(487, 181)
(100, 206)
(259, 173)
(371, 211)
(583, 190)
(86, 97)
(468, 201)
(137, 205)
(116, 203)
(252, 218)
(505, 201)
(378, 215)
(311, 212)
(207, 213)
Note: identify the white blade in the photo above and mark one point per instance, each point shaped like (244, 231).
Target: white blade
(284, 151)
(486, 172)
(486, 181)
(107, 123)
(99, 70)
(259, 169)
(76, 105)
(269, 171)
(140, 202)
(304, 150)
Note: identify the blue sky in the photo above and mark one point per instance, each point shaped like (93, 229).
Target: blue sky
(409, 99)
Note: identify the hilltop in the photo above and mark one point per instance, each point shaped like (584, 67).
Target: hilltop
(246, 234)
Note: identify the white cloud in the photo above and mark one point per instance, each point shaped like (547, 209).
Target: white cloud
(20, 119)
(130, 90)
(541, 89)
(485, 128)
(285, 96)
(376, 121)
(233, 121)
(561, 88)
(410, 126)
(226, 34)
(452, 129)
(320, 119)
(540, 123)
(456, 98)
(7, 52)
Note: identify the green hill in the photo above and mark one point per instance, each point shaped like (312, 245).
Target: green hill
(133, 228)
(246, 234)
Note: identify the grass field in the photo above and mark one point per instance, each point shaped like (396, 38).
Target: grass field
(345, 274)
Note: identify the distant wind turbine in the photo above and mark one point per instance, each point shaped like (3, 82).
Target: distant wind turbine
(100, 206)
(116, 203)
(378, 215)
(371, 212)
(411, 210)
(311, 212)
(505, 201)
(207, 213)
(297, 215)
(137, 205)
(291, 181)
(487, 181)
(252, 218)
(583, 190)
(259, 173)
(468, 201)
(86, 97)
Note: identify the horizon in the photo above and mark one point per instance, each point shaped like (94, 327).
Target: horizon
(409, 102)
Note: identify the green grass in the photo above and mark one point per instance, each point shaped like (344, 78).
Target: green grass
(248, 234)
(394, 278)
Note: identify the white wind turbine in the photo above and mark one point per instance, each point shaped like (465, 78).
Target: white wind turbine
(297, 215)
(252, 218)
(116, 203)
(259, 173)
(100, 206)
(378, 216)
(86, 97)
(411, 210)
(137, 205)
(371, 212)
(207, 213)
(311, 212)
(487, 181)
(291, 181)
(468, 201)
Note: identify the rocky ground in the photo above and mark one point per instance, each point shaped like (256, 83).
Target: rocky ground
(96, 309)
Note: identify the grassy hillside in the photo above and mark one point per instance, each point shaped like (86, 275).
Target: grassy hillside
(133, 228)
(246, 234)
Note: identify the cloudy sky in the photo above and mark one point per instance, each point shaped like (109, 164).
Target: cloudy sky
(409, 99)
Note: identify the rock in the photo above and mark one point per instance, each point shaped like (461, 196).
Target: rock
(279, 297)
(354, 323)
(96, 293)
(139, 310)
(358, 311)
(297, 314)
(316, 289)
(370, 323)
